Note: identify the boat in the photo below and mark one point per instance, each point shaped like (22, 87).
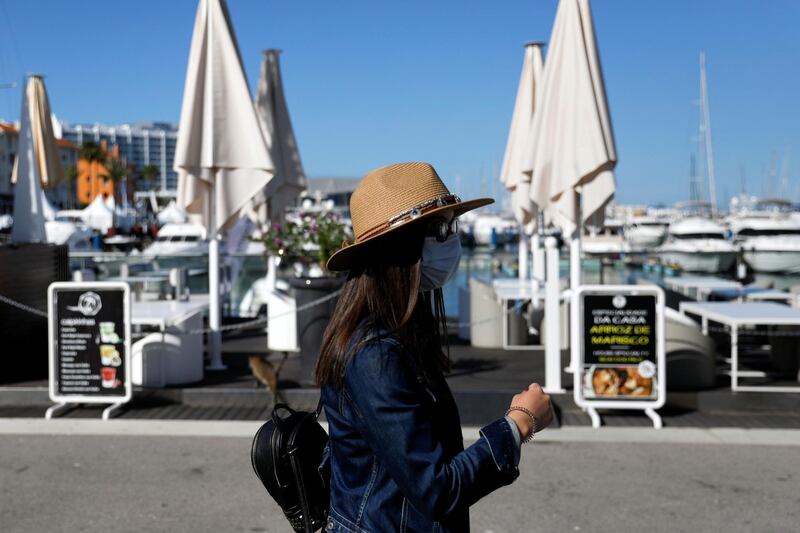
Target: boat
(698, 244)
(645, 232)
(769, 237)
(68, 227)
(489, 229)
(605, 241)
(178, 239)
(121, 243)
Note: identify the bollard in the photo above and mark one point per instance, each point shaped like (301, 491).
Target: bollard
(179, 284)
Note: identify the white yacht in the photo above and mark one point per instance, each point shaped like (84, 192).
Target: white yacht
(69, 228)
(485, 229)
(645, 232)
(178, 239)
(769, 238)
(604, 242)
(698, 244)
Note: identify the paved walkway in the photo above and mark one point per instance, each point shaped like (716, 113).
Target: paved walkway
(658, 481)
(219, 428)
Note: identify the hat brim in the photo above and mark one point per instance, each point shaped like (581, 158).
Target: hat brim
(344, 258)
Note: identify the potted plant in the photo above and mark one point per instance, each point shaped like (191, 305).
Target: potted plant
(301, 247)
(305, 241)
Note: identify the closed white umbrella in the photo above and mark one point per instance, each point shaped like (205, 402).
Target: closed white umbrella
(512, 174)
(37, 162)
(573, 152)
(273, 114)
(221, 157)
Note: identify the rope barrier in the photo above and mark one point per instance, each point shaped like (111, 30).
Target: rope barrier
(319, 301)
(264, 320)
(22, 306)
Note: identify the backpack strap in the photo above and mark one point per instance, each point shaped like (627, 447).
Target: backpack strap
(292, 450)
(318, 410)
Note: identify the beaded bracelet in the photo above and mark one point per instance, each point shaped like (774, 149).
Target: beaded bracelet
(530, 414)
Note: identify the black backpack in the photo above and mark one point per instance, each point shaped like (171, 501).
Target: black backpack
(287, 455)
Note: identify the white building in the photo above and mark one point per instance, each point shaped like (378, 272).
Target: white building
(141, 144)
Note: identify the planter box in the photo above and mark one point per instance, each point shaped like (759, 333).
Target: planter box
(311, 323)
(26, 270)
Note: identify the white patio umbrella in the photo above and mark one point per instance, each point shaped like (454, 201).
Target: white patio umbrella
(37, 163)
(273, 115)
(221, 157)
(573, 153)
(512, 174)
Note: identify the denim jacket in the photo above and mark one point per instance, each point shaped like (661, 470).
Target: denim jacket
(396, 450)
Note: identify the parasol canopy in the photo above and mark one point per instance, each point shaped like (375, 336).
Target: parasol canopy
(512, 174)
(573, 148)
(37, 163)
(221, 157)
(273, 114)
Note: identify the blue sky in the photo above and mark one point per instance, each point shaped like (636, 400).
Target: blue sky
(370, 83)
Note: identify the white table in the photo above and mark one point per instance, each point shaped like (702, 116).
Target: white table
(772, 295)
(164, 314)
(514, 290)
(138, 283)
(753, 294)
(740, 314)
(701, 285)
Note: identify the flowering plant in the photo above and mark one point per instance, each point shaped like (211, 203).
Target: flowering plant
(307, 237)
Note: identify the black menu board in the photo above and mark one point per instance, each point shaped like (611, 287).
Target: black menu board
(89, 342)
(620, 353)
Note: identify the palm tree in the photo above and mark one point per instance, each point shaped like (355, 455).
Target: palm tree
(149, 174)
(71, 175)
(115, 171)
(91, 151)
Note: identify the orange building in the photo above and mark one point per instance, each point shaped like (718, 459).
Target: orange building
(93, 177)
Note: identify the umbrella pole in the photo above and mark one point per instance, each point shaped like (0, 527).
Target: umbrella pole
(537, 267)
(575, 279)
(552, 347)
(523, 254)
(214, 309)
(575, 246)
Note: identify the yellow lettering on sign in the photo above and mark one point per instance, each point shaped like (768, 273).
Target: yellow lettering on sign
(609, 329)
(625, 340)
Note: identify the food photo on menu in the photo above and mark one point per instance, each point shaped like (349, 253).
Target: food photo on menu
(108, 334)
(109, 355)
(623, 382)
(108, 377)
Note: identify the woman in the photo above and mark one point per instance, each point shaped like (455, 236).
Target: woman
(396, 449)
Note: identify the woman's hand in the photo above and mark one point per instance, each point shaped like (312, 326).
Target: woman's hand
(535, 400)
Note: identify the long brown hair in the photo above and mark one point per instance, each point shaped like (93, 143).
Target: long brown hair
(383, 291)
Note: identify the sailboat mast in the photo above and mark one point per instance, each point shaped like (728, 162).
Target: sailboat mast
(706, 133)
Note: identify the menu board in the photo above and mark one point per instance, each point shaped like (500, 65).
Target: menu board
(89, 342)
(621, 352)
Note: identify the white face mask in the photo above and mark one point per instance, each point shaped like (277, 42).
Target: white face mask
(439, 261)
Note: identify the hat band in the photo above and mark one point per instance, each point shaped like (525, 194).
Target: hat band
(412, 213)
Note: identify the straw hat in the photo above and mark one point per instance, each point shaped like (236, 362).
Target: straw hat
(393, 197)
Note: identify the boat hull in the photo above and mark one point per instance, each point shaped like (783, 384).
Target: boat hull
(644, 238)
(707, 262)
(776, 261)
